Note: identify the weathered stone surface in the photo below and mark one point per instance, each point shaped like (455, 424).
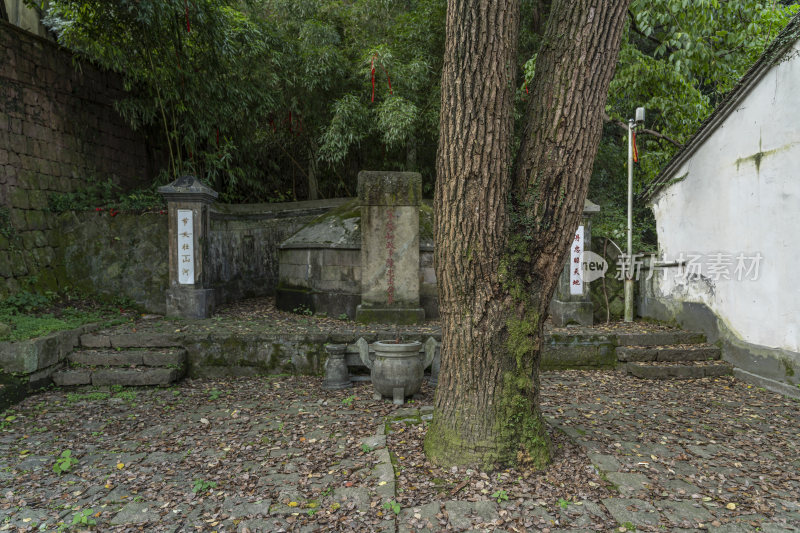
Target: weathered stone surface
(132, 378)
(390, 315)
(731, 528)
(388, 188)
(576, 351)
(267, 524)
(633, 511)
(668, 353)
(145, 340)
(137, 513)
(680, 487)
(278, 479)
(660, 338)
(19, 357)
(685, 513)
(337, 375)
(385, 229)
(356, 495)
(607, 463)
(716, 370)
(424, 514)
(89, 340)
(706, 451)
(58, 132)
(462, 513)
(389, 246)
(571, 312)
(375, 442)
(629, 483)
(69, 378)
(164, 358)
(160, 458)
(29, 356)
(248, 509)
(286, 452)
(190, 303)
(5, 330)
(106, 358)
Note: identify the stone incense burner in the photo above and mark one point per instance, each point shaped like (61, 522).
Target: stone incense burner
(398, 369)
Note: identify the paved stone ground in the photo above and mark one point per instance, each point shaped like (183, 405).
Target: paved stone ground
(284, 455)
(714, 453)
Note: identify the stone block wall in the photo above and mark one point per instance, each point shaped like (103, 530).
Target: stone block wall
(58, 132)
(127, 255)
(243, 244)
(122, 256)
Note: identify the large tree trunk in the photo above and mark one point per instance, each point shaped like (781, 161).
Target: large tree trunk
(501, 236)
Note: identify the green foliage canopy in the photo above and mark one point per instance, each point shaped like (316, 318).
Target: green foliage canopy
(273, 99)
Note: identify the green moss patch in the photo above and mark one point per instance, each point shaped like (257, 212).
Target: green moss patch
(28, 315)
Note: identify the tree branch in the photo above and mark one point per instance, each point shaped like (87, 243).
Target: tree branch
(636, 29)
(654, 133)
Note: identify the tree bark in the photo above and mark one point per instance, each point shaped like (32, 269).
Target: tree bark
(503, 228)
(313, 184)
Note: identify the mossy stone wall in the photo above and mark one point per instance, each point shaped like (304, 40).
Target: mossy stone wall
(123, 256)
(127, 255)
(58, 132)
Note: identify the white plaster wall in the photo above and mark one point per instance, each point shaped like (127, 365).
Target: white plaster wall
(727, 203)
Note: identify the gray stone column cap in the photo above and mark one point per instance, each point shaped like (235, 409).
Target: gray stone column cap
(188, 189)
(335, 349)
(590, 208)
(384, 187)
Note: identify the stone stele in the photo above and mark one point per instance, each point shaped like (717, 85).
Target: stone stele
(390, 247)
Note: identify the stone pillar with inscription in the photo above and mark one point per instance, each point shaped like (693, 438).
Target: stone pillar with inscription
(572, 303)
(390, 247)
(188, 203)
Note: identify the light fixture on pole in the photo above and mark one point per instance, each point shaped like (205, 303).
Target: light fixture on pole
(629, 270)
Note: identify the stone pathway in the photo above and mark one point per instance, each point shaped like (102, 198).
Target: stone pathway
(284, 455)
(710, 454)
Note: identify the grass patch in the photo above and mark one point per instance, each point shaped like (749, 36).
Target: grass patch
(27, 327)
(74, 397)
(31, 315)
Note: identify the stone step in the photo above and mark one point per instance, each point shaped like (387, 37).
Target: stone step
(660, 338)
(128, 377)
(672, 353)
(164, 357)
(680, 370)
(131, 340)
(123, 367)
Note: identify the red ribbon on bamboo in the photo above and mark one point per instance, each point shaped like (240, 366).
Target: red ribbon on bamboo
(372, 77)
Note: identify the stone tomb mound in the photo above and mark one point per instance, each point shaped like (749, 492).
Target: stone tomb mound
(320, 265)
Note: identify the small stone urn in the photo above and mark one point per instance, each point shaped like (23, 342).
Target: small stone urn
(397, 370)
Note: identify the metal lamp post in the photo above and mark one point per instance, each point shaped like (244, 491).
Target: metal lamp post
(632, 124)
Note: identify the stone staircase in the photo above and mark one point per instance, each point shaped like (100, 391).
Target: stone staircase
(121, 360)
(670, 355)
